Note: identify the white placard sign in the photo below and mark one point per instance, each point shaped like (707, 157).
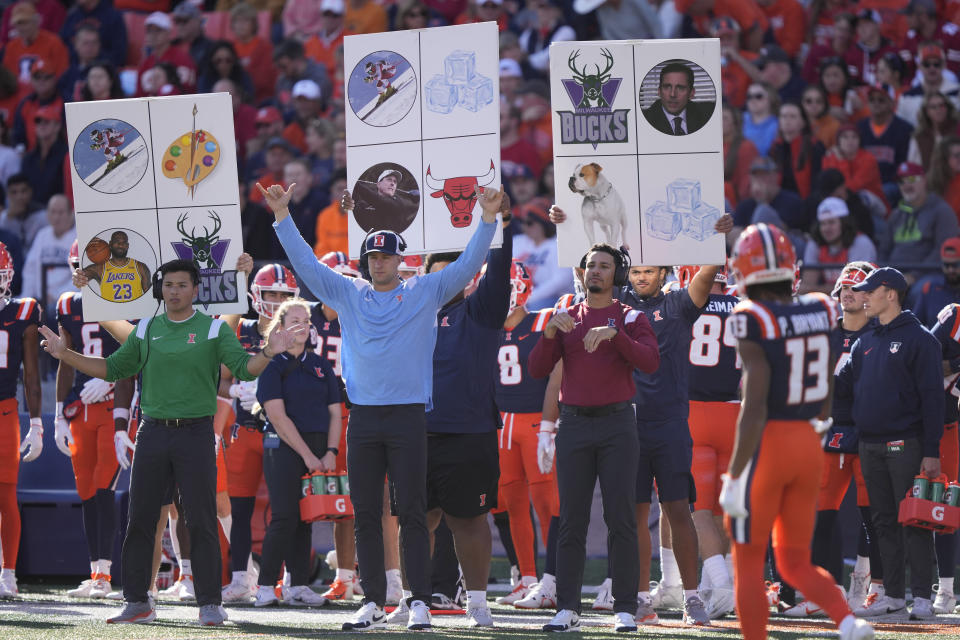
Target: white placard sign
(638, 148)
(155, 179)
(423, 130)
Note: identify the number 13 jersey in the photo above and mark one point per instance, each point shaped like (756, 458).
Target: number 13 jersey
(796, 341)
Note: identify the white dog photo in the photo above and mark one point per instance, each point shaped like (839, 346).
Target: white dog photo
(602, 205)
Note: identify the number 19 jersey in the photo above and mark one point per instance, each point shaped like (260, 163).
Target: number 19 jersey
(517, 390)
(796, 341)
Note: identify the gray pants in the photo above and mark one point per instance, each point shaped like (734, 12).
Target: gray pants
(888, 476)
(588, 447)
(380, 440)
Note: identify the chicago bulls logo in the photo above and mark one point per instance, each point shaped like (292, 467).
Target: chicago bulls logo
(459, 194)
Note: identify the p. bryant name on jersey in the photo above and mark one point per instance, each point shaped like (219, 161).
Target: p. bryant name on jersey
(805, 323)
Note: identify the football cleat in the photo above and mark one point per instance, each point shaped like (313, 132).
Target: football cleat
(8, 582)
(400, 615)
(519, 593)
(694, 612)
(855, 629)
(880, 605)
(922, 609)
(806, 609)
(101, 587)
(604, 599)
(720, 603)
(666, 596)
(238, 591)
(857, 593)
(265, 597)
(479, 617)
(945, 602)
(187, 593)
(83, 591)
(339, 590)
(442, 601)
(542, 595)
(303, 596)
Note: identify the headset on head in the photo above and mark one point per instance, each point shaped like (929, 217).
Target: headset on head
(363, 261)
(622, 259)
(156, 282)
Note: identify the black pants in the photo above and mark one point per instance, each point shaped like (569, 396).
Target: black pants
(587, 448)
(389, 439)
(888, 476)
(165, 455)
(287, 537)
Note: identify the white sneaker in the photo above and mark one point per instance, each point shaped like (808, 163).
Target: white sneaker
(400, 615)
(118, 595)
(479, 617)
(922, 609)
(720, 602)
(945, 602)
(666, 597)
(83, 591)
(8, 587)
(565, 620)
(624, 622)
(303, 596)
(265, 597)
(419, 616)
(542, 595)
(519, 593)
(369, 616)
(604, 599)
(645, 614)
(857, 593)
(173, 591)
(394, 591)
(101, 587)
(806, 609)
(855, 629)
(442, 601)
(881, 606)
(187, 593)
(237, 591)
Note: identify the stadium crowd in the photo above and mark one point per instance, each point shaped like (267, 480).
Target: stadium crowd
(841, 133)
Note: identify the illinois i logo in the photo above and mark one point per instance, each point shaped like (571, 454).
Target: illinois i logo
(592, 91)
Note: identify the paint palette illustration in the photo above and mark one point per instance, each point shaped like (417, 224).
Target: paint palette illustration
(192, 156)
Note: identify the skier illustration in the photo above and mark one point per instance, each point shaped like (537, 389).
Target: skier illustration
(109, 141)
(380, 73)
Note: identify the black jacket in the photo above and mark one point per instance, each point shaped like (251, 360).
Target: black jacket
(698, 113)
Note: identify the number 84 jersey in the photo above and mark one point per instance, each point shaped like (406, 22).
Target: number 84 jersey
(714, 363)
(796, 341)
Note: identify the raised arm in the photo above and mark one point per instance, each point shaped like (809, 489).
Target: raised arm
(326, 284)
(491, 301)
(55, 345)
(456, 276)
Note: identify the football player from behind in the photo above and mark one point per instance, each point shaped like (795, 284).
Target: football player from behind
(773, 480)
(271, 285)
(523, 474)
(842, 463)
(714, 405)
(88, 413)
(19, 345)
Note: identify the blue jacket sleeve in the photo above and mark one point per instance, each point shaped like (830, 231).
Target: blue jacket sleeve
(324, 282)
(844, 379)
(456, 276)
(490, 303)
(928, 374)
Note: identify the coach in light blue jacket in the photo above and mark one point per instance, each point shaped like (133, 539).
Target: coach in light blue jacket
(389, 331)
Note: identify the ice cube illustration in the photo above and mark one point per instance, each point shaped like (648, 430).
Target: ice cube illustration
(699, 224)
(661, 222)
(683, 195)
(476, 94)
(459, 67)
(439, 95)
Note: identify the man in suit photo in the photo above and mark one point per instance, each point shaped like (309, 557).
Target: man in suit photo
(674, 113)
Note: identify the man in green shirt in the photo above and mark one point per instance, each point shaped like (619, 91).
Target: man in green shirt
(179, 355)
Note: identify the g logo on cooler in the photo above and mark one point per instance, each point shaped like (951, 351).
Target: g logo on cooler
(937, 514)
(341, 506)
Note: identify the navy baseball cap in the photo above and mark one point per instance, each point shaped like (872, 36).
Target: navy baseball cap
(883, 277)
(387, 242)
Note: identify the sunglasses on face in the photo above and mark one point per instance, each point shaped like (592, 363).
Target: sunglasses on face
(932, 64)
(756, 96)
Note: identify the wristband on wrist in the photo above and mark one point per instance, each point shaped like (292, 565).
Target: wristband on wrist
(332, 450)
(36, 423)
(548, 426)
(121, 414)
(58, 410)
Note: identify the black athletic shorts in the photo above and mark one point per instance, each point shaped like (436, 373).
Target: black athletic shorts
(463, 471)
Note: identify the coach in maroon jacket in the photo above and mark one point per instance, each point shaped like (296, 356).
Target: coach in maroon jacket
(600, 342)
